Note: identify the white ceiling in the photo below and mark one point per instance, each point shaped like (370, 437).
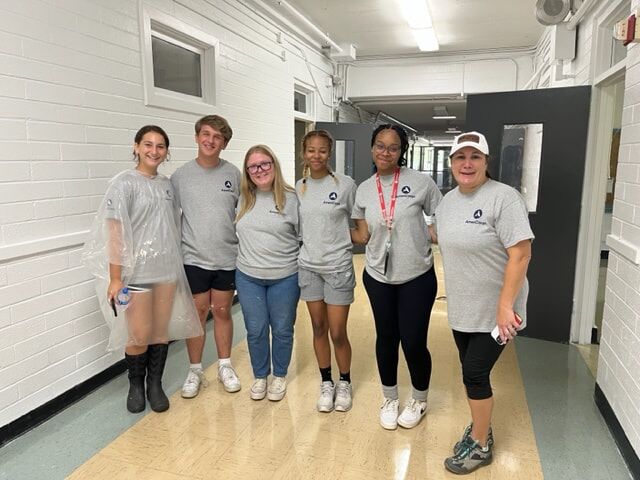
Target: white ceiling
(377, 29)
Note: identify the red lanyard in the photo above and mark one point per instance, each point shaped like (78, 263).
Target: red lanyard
(388, 219)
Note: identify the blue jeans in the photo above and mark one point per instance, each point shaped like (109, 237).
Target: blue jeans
(268, 304)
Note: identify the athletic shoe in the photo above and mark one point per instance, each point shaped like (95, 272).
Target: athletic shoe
(259, 389)
(389, 414)
(467, 433)
(325, 400)
(195, 380)
(470, 457)
(277, 389)
(343, 396)
(412, 413)
(227, 375)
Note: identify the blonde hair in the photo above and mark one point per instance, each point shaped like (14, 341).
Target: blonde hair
(248, 188)
(305, 165)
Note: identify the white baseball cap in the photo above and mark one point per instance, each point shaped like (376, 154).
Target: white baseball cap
(470, 139)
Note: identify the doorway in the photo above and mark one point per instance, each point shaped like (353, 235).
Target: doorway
(301, 128)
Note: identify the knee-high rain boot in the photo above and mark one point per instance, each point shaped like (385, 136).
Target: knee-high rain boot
(155, 367)
(137, 370)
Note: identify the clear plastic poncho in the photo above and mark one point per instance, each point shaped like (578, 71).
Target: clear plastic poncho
(137, 228)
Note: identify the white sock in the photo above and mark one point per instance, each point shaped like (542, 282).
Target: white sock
(224, 361)
(195, 366)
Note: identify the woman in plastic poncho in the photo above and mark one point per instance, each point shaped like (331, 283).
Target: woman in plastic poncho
(135, 243)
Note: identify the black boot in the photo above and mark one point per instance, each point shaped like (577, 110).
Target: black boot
(137, 370)
(155, 366)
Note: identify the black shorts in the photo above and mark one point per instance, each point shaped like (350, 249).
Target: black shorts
(202, 280)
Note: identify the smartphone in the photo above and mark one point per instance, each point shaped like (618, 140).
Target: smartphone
(495, 333)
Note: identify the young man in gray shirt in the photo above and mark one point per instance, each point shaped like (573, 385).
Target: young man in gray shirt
(207, 191)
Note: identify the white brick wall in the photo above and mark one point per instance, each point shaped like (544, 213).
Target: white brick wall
(619, 362)
(71, 100)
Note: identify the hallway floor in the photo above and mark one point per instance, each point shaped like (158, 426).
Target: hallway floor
(545, 423)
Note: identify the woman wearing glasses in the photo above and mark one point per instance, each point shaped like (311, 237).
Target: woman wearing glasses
(399, 277)
(267, 269)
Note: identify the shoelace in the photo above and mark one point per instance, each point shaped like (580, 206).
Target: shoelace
(326, 389)
(193, 377)
(342, 390)
(278, 383)
(227, 373)
(465, 449)
(389, 405)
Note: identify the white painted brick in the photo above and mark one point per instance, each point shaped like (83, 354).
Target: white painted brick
(48, 208)
(92, 353)
(19, 292)
(55, 131)
(111, 136)
(13, 130)
(85, 152)
(76, 205)
(21, 271)
(38, 10)
(101, 31)
(88, 322)
(3, 276)
(70, 312)
(16, 212)
(7, 357)
(35, 230)
(39, 305)
(623, 210)
(43, 378)
(59, 170)
(8, 396)
(75, 258)
(19, 370)
(75, 188)
(78, 343)
(84, 291)
(42, 342)
(76, 223)
(47, 92)
(15, 172)
(5, 317)
(12, 87)
(64, 279)
(10, 44)
(107, 169)
(23, 26)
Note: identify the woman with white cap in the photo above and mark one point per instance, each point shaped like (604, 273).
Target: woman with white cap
(483, 230)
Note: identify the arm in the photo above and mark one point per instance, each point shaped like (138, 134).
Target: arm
(514, 275)
(360, 234)
(115, 247)
(432, 233)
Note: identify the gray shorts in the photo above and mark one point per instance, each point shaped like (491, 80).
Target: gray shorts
(334, 288)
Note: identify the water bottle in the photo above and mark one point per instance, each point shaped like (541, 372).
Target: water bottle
(495, 333)
(122, 298)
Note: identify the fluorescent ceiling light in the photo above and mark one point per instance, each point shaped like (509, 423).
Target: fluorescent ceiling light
(416, 13)
(426, 39)
(441, 113)
(444, 117)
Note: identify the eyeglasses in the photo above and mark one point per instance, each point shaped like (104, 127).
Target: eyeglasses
(392, 149)
(264, 166)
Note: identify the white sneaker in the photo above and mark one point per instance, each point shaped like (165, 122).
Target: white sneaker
(195, 379)
(412, 413)
(343, 396)
(277, 389)
(259, 389)
(389, 414)
(325, 401)
(227, 375)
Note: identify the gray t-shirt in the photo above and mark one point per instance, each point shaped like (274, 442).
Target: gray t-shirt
(474, 231)
(146, 208)
(268, 239)
(410, 253)
(208, 199)
(325, 211)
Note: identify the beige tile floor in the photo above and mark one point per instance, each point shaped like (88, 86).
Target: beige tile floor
(221, 435)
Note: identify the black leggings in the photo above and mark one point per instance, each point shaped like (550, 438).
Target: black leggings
(479, 352)
(401, 314)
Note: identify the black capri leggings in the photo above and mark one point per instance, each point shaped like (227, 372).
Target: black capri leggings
(479, 352)
(401, 314)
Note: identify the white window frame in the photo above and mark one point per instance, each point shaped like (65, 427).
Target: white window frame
(157, 23)
(308, 92)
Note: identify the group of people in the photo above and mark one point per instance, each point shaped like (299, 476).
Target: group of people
(180, 247)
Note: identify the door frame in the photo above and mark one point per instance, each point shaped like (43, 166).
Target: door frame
(594, 190)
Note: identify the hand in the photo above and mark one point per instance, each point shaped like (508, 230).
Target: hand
(115, 285)
(507, 323)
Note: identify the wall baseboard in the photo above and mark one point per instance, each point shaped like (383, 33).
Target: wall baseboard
(626, 450)
(52, 407)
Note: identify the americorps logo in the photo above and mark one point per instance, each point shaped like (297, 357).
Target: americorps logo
(477, 214)
(227, 184)
(406, 189)
(333, 196)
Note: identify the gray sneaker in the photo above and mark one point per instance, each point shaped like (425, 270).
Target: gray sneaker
(467, 432)
(343, 396)
(470, 457)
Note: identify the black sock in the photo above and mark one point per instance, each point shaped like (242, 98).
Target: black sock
(325, 373)
(345, 377)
